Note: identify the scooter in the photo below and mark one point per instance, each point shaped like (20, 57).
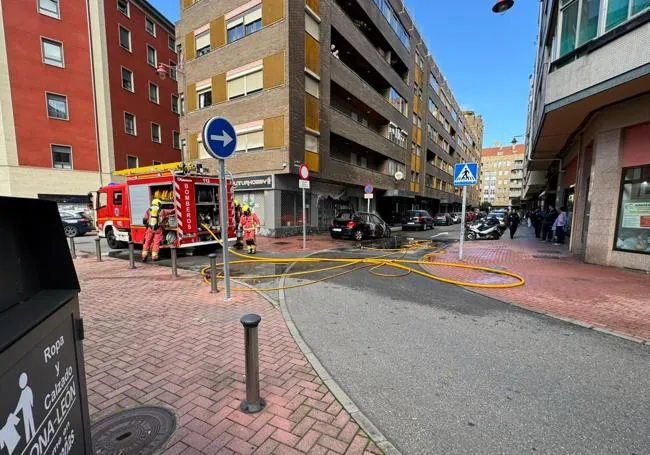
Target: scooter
(485, 228)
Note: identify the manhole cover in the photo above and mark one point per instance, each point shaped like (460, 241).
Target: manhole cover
(139, 431)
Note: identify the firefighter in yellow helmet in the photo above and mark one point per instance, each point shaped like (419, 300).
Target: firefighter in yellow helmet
(239, 233)
(250, 224)
(154, 219)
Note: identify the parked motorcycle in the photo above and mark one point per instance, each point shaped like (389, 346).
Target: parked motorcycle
(485, 228)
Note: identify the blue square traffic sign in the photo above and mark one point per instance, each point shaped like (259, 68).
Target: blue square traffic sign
(465, 174)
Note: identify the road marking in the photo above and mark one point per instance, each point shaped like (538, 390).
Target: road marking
(439, 234)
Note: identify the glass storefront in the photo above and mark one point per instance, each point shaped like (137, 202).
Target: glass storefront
(633, 226)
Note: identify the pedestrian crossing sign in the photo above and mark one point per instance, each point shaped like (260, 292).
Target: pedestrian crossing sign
(465, 174)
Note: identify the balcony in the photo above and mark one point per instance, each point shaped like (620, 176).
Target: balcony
(351, 82)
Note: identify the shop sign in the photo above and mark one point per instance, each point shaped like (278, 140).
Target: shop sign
(257, 182)
(40, 410)
(636, 215)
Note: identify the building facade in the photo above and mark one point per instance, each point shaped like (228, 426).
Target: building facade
(502, 173)
(477, 127)
(589, 126)
(348, 88)
(63, 99)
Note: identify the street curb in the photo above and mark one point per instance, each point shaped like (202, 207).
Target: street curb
(373, 433)
(585, 325)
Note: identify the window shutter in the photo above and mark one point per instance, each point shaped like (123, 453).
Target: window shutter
(219, 88)
(255, 81)
(217, 33)
(253, 16)
(236, 87)
(256, 140)
(187, 3)
(190, 46)
(274, 70)
(272, 11)
(202, 40)
(190, 97)
(193, 147)
(274, 132)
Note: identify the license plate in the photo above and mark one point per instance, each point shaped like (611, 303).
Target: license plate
(410, 222)
(336, 229)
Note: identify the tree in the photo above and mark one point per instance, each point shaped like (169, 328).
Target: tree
(485, 206)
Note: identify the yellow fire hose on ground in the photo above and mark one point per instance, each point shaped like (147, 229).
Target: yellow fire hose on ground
(374, 263)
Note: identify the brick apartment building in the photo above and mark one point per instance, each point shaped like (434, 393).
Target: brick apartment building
(589, 126)
(502, 173)
(80, 96)
(347, 87)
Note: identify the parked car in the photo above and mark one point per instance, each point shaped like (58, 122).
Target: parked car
(417, 219)
(443, 219)
(359, 225)
(74, 224)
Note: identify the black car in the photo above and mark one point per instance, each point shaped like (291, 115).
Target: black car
(74, 224)
(359, 225)
(418, 219)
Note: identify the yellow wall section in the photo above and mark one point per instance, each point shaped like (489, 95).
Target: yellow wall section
(193, 147)
(272, 11)
(187, 3)
(312, 54)
(274, 132)
(190, 46)
(312, 112)
(219, 88)
(314, 5)
(273, 70)
(312, 161)
(217, 33)
(190, 97)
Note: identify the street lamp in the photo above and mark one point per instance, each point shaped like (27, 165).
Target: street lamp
(164, 69)
(501, 6)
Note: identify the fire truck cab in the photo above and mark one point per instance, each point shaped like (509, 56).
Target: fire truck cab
(193, 197)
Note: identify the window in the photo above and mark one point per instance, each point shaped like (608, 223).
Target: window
(312, 86)
(117, 198)
(129, 124)
(618, 11)
(433, 83)
(433, 109)
(172, 70)
(57, 106)
(397, 101)
(175, 109)
(152, 58)
(579, 23)
(61, 157)
(153, 93)
(123, 7)
(250, 140)
(244, 24)
(182, 104)
(127, 80)
(311, 143)
(390, 15)
(396, 135)
(247, 84)
(633, 226)
(176, 140)
(171, 43)
(155, 133)
(418, 60)
(312, 27)
(156, 162)
(202, 43)
(205, 97)
(125, 38)
(49, 8)
(52, 52)
(149, 26)
(131, 162)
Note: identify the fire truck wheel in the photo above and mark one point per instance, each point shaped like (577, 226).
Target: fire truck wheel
(113, 243)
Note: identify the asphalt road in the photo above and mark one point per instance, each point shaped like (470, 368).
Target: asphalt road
(442, 370)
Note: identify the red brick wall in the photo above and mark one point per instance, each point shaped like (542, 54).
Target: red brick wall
(138, 103)
(30, 79)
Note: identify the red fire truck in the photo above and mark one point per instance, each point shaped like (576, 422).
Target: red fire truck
(194, 197)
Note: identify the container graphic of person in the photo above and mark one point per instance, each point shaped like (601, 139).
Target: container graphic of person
(9, 437)
(25, 405)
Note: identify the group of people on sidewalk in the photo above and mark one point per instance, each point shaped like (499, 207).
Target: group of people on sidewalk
(550, 224)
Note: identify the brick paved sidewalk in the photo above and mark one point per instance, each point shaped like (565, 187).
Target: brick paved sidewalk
(559, 284)
(151, 340)
(293, 244)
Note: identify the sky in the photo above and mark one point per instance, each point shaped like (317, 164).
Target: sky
(486, 58)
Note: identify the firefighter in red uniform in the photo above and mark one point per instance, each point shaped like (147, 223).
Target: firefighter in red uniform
(250, 223)
(239, 244)
(154, 219)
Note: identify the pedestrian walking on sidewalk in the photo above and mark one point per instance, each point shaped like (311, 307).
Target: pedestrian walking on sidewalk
(559, 225)
(537, 219)
(547, 225)
(513, 223)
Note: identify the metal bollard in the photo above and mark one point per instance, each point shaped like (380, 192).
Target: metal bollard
(253, 402)
(73, 251)
(98, 249)
(174, 273)
(131, 256)
(213, 273)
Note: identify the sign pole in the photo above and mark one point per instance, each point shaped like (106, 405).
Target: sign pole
(462, 225)
(304, 222)
(223, 208)
(368, 205)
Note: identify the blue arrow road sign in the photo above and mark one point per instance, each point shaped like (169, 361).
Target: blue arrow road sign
(465, 174)
(368, 189)
(219, 138)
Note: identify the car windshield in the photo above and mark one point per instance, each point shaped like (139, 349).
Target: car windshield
(345, 215)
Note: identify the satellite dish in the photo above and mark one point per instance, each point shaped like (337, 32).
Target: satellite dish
(399, 175)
